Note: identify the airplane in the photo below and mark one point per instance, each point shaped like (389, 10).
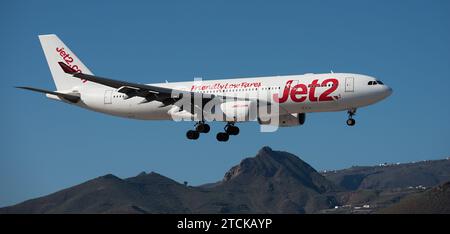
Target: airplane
(236, 100)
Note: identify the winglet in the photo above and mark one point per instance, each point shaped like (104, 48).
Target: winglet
(66, 68)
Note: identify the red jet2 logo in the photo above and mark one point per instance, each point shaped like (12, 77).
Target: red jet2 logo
(300, 92)
(68, 59)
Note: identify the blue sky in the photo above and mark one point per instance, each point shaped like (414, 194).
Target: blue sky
(47, 146)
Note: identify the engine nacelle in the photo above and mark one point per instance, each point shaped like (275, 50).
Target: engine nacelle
(288, 120)
(238, 111)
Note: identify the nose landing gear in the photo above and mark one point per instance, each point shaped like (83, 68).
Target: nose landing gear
(350, 120)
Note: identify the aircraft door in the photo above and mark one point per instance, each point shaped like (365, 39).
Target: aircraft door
(349, 84)
(108, 96)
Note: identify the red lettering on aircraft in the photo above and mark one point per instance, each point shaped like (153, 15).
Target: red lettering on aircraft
(301, 92)
(68, 59)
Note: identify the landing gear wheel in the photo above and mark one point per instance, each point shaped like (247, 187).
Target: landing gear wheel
(351, 122)
(207, 128)
(202, 127)
(232, 130)
(222, 136)
(192, 135)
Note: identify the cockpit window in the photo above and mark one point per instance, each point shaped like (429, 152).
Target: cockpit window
(375, 82)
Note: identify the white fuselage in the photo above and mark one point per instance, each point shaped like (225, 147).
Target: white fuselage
(294, 93)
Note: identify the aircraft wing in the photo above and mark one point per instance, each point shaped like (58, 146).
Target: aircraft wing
(148, 92)
(151, 93)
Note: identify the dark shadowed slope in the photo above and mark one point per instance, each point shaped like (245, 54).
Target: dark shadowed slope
(110, 194)
(271, 182)
(433, 201)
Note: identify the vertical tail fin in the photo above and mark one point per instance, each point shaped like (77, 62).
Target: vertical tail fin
(56, 51)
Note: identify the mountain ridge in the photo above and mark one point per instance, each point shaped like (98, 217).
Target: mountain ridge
(270, 182)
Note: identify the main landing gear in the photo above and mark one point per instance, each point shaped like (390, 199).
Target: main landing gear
(350, 120)
(230, 129)
(200, 127)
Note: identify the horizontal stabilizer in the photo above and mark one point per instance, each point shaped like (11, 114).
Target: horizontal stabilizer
(74, 98)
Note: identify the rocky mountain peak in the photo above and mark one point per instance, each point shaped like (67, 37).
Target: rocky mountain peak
(278, 166)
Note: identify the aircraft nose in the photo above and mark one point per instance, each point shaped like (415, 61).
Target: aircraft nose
(387, 92)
